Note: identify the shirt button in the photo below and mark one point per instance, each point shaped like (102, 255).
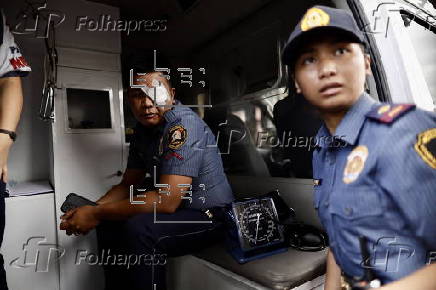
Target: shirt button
(348, 211)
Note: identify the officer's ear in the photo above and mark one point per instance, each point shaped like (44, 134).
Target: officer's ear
(291, 74)
(172, 94)
(296, 86)
(367, 60)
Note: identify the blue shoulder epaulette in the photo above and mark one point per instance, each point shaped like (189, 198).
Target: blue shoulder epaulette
(388, 113)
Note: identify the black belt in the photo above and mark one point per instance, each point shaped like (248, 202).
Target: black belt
(353, 283)
(216, 213)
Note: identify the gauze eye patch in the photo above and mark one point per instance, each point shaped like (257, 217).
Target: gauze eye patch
(158, 93)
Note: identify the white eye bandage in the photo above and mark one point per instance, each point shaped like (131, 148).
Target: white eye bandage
(158, 93)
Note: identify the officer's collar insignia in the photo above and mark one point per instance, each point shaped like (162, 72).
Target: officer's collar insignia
(177, 136)
(317, 182)
(314, 17)
(426, 147)
(383, 109)
(389, 113)
(355, 163)
(173, 154)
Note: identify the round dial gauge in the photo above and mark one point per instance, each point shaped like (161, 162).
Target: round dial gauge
(257, 224)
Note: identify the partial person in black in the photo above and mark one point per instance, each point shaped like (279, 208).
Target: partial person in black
(295, 119)
(12, 67)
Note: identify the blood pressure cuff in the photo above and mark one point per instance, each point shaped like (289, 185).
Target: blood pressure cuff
(298, 235)
(12, 62)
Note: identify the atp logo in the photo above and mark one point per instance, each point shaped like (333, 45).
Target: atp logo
(388, 254)
(380, 24)
(39, 254)
(36, 19)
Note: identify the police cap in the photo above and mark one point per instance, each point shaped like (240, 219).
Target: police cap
(321, 19)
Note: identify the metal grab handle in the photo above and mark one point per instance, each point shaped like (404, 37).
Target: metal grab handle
(46, 110)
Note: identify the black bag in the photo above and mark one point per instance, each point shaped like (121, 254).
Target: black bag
(298, 235)
(73, 201)
(285, 213)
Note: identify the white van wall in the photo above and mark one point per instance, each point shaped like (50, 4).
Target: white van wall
(29, 157)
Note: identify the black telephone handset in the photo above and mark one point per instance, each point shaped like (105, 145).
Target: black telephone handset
(73, 201)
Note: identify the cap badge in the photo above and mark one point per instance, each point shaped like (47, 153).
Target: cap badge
(314, 17)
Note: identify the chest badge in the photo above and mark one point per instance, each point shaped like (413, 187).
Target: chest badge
(177, 136)
(355, 163)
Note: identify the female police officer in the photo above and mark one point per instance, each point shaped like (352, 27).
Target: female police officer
(376, 193)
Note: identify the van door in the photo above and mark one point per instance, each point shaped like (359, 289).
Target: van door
(87, 159)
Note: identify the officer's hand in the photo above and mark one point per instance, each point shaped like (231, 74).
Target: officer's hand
(68, 214)
(83, 220)
(65, 224)
(5, 144)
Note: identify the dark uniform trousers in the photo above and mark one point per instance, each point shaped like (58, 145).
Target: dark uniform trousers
(148, 245)
(3, 285)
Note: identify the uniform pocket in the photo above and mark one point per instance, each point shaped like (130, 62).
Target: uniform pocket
(357, 204)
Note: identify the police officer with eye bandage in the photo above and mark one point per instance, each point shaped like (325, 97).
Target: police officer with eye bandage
(375, 196)
(178, 150)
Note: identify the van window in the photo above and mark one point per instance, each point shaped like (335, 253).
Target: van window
(424, 41)
(268, 136)
(88, 109)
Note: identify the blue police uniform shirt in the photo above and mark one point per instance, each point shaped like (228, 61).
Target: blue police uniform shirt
(183, 145)
(377, 179)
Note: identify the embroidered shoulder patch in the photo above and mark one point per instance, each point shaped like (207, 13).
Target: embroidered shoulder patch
(177, 136)
(389, 113)
(426, 147)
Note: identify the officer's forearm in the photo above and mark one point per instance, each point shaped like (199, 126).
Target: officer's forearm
(333, 274)
(124, 209)
(423, 279)
(116, 193)
(11, 102)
